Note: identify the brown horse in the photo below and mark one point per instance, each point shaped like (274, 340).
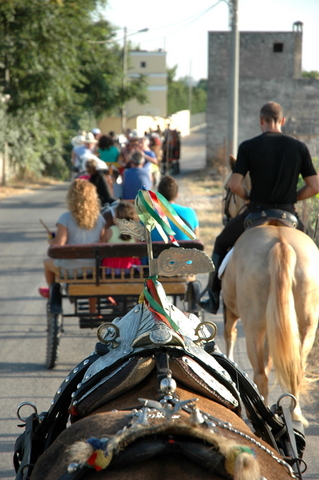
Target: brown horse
(272, 284)
(155, 407)
(227, 435)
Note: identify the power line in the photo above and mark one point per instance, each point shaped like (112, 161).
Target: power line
(190, 21)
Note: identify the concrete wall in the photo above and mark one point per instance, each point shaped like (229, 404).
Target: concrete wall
(7, 169)
(265, 75)
(155, 105)
(142, 123)
(197, 119)
(153, 65)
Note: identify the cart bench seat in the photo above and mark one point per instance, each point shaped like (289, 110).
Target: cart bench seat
(102, 281)
(115, 291)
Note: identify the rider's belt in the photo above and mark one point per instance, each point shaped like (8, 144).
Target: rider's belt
(282, 206)
(267, 215)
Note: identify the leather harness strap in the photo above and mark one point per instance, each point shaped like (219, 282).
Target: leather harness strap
(162, 365)
(268, 426)
(41, 431)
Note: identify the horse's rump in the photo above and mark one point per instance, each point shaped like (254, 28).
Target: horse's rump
(272, 284)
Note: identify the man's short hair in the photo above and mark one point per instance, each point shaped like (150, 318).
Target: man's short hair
(271, 111)
(168, 187)
(137, 158)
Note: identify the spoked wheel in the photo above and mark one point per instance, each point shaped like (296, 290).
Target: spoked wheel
(54, 321)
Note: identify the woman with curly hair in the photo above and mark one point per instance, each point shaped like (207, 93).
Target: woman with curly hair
(82, 224)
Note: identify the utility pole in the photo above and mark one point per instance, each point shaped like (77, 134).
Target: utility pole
(233, 79)
(124, 73)
(190, 88)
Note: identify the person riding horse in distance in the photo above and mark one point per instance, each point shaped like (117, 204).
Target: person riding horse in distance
(274, 161)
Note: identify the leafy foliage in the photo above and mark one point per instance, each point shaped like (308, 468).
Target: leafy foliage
(57, 63)
(311, 74)
(308, 210)
(183, 96)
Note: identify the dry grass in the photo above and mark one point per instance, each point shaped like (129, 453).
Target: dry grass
(28, 185)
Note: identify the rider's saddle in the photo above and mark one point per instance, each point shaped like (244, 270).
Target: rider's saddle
(271, 216)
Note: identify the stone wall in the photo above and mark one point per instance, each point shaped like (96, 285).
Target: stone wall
(265, 75)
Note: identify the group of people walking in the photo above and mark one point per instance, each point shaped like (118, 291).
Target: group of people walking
(126, 164)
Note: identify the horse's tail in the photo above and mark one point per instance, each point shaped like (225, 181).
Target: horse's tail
(282, 323)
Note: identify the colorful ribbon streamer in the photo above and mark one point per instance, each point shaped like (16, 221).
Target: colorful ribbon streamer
(154, 210)
(155, 305)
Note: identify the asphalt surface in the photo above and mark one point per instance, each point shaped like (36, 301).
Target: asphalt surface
(23, 375)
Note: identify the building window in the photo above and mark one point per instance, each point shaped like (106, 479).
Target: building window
(278, 47)
(143, 64)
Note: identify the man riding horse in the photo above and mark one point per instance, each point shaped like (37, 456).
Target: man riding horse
(274, 162)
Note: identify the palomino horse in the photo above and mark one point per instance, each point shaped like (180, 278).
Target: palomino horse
(272, 284)
(153, 404)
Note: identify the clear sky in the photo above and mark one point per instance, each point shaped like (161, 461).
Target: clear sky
(181, 27)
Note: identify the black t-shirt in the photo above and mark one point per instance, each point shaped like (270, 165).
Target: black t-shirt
(274, 161)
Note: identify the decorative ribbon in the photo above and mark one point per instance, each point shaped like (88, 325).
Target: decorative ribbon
(153, 210)
(155, 305)
(172, 215)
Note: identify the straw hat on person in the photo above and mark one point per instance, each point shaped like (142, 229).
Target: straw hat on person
(78, 139)
(89, 138)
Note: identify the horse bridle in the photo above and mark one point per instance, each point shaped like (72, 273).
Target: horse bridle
(227, 199)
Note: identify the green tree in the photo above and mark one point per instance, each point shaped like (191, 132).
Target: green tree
(310, 74)
(182, 97)
(54, 67)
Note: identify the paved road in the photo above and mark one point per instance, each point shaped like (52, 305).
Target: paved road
(193, 151)
(23, 375)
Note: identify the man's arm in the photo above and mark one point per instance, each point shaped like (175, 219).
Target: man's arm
(237, 187)
(310, 188)
(150, 159)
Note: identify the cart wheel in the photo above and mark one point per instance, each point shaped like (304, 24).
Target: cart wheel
(193, 291)
(53, 338)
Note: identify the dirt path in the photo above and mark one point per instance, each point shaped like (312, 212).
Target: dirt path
(21, 187)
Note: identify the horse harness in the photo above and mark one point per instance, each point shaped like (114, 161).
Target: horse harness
(206, 371)
(227, 200)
